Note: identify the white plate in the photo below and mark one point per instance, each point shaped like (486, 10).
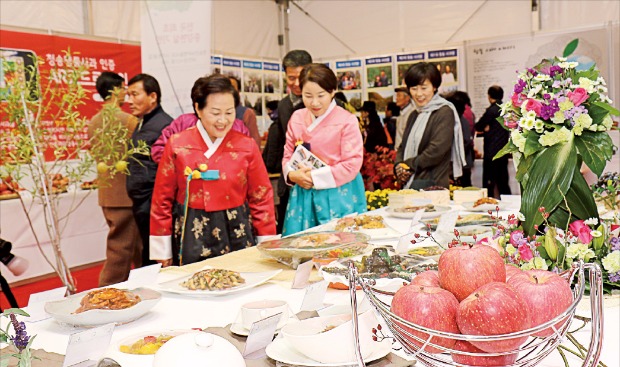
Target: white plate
(238, 329)
(63, 310)
(251, 280)
(282, 351)
(469, 206)
(439, 210)
(466, 233)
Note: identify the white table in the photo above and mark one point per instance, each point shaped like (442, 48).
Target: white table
(180, 312)
(83, 237)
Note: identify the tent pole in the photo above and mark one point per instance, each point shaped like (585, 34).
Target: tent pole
(535, 16)
(87, 14)
(283, 35)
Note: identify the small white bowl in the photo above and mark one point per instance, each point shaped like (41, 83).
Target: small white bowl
(309, 338)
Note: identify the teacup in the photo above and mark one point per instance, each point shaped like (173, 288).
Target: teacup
(258, 310)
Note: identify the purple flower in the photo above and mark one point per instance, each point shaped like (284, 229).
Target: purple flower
(532, 71)
(556, 84)
(614, 277)
(521, 84)
(548, 110)
(615, 244)
(20, 340)
(555, 70)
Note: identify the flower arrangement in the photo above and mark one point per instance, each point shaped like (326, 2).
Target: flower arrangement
(607, 190)
(556, 249)
(21, 340)
(378, 169)
(378, 198)
(558, 117)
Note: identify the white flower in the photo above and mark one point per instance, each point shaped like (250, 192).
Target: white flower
(539, 126)
(558, 118)
(523, 76)
(596, 233)
(606, 99)
(505, 107)
(591, 221)
(611, 262)
(542, 77)
(601, 128)
(607, 122)
(560, 58)
(519, 140)
(568, 64)
(601, 89)
(579, 251)
(600, 80)
(527, 122)
(586, 84)
(534, 91)
(520, 216)
(550, 138)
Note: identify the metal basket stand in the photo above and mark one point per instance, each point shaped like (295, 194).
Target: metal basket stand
(530, 354)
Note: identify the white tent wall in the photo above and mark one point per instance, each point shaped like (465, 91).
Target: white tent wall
(358, 28)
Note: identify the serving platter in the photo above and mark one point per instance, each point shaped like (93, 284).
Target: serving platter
(439, 210)
(464, 220)
(484, 208)
(252, 279)
(282, 351)
(64, 310)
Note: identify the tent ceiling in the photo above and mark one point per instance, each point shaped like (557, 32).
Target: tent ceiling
(354, 28)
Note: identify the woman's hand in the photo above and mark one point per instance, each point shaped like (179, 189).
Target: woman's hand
(165, 263)
(402, 173)
(302, 178)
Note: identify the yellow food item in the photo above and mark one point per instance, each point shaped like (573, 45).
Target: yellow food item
(214, 279)
(147, 345)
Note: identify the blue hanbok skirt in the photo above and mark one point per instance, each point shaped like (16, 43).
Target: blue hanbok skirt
(310, 208)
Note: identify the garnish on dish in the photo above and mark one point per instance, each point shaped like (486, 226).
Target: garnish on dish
(214, 280)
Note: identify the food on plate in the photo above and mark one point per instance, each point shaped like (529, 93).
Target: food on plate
(464, 220)
(59, 183)
(414, 208)
(108, 299)
(360, 222)
(214, 279)
(328, 328)
(9, 188)
(426, 251)
(473, 230)
(434, 188)
(483, 201)
(90, 185)
(351, 250)
(380, 264)
(148, 345)
(315, 240)
(406, 197)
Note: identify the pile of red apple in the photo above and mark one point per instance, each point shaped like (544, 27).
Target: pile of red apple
(475, 293)
(8, 186)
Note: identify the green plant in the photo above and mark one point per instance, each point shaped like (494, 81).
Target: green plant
(20, 340)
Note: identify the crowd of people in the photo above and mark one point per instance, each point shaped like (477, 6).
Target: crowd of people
(204, 190)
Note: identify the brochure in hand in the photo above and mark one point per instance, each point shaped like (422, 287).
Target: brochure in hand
(302, 156)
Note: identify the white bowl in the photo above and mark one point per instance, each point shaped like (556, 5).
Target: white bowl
(198, 349)
(309, 338)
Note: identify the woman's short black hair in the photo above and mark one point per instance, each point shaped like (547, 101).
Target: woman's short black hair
(319, 74)
(420, 72)
(212, 84)
(106, 82)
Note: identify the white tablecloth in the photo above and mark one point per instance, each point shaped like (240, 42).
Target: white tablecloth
(181, 312)
(83, 234)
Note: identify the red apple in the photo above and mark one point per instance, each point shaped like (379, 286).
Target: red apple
(512, 270)
(546, 294)
(487, 361)
(431, 307)
(494, 309)
(429, 278)
(463, 269)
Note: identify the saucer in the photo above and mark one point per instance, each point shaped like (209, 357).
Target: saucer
(238, 328)
(282, 351)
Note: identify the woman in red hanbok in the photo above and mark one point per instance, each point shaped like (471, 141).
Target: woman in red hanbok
(212, 192)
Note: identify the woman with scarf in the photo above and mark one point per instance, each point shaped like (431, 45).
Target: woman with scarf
(331, 133)
(432, 145)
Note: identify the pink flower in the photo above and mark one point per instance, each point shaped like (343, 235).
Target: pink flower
(582, 231)
(578, 96)
(518, 99)
(517, 239)
(533, 105)
(525, 252)
(511, 123)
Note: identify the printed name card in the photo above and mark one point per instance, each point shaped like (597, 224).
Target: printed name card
(315, 294)
(143, 276)
(445, 228)
(261, 334)
(88, 345)
(302, 275)
(404, 242)
(416, 219)
(36, 303)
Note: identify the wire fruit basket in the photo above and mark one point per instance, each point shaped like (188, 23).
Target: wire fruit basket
(417, 340)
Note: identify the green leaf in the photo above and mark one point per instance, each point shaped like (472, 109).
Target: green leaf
(16, 311)
(531, 144)
(596, 149)
(524, 167)
(597, 113)
(559, 217)
(550, 177)
(570, 48)
(507, 149)
(580, 199)
(607, 107)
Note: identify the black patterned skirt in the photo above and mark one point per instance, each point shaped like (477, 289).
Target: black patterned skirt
(210, 234)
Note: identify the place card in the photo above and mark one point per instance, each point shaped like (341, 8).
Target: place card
(315, 294)
(416, 219)
(404, 242)
(445, 228)
(143, 276)
(302, 275)
(260, 336)
(88, 345)
(36, 303)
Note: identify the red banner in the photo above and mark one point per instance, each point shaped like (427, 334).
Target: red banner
(19, 48)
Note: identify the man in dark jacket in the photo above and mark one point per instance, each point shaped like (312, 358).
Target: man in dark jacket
(144, 103)
(293, 62)
(494, 172)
